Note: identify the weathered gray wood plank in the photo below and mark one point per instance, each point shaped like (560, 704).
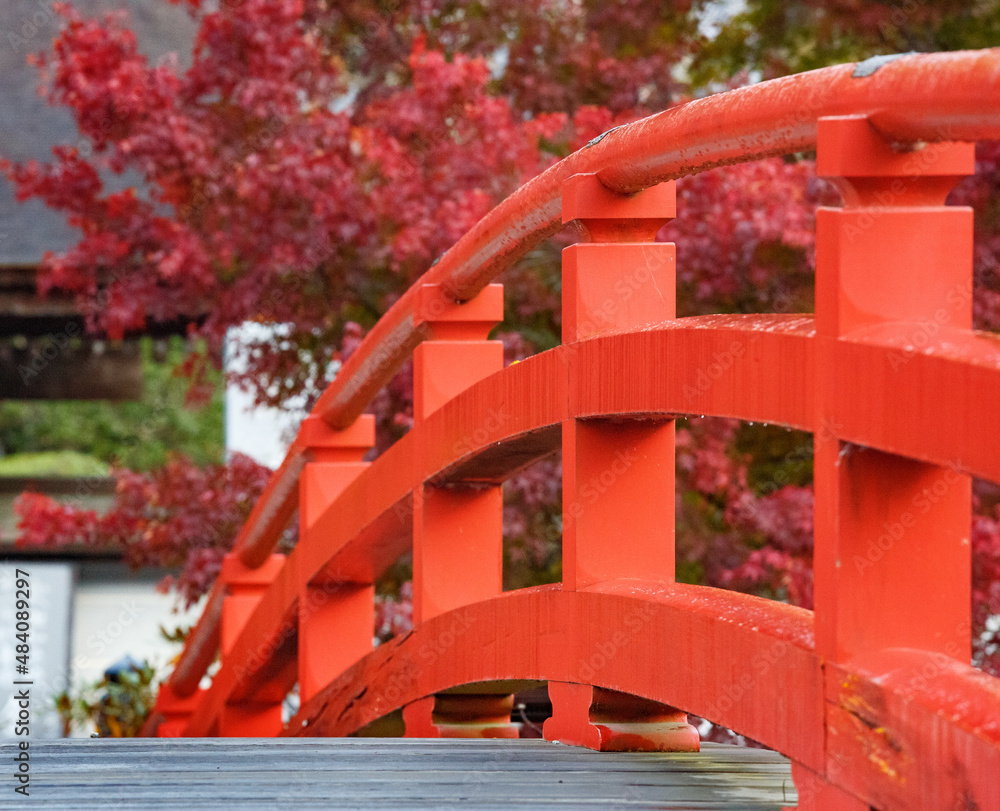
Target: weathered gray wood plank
(392, 773)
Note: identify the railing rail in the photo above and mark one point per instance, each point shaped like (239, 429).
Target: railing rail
(871, 124)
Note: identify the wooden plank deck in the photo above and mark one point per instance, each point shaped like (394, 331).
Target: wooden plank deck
(363, 773)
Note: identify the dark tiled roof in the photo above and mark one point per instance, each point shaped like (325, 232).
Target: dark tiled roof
(29, 127)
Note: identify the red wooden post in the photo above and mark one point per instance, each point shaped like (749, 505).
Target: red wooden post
(336, 619)
(609, 721)
(620, 280)
(175, 709)
(457, 530)
(245, 588)
(892, 552)
(612, 468)
(461, 714)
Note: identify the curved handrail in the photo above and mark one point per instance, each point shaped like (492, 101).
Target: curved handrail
(919, 97)
(932, 97)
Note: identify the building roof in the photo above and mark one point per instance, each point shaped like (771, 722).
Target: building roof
(29, 127)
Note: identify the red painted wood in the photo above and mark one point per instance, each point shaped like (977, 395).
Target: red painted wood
(371, 524)
(615, 468)
(608, 288)
(922, 97)
(609, 721)
(905, 376)
(452, 715)
(915, 730)
(458, 531)
(273, 510)
(336, 628)
(329, 609)
(916, 98)
(370, 527)
(892, 534)
(602, 216)
(612, 470)
(246, 587)
(899, 392)
(377, 494)
(250, 720)
(201, 646)
(457, 549)
(747, 662)
(260, 650)
(173, 712)
(449, 320)
(815, 793)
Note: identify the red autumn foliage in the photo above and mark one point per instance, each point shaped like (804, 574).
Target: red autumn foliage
(180, 516)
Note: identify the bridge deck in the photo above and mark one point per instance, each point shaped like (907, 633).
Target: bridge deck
(395, 773)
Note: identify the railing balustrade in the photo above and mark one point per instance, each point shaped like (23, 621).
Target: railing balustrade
(872, 696)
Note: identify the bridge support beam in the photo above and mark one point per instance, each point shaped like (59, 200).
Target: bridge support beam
(458, 529)
(461, 715)
(616, 722)
(618, 474)
(336, 620)
(245, 588)
(892, 552)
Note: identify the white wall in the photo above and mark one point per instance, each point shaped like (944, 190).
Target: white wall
(114, 619)
(49, 592)
(261, 433)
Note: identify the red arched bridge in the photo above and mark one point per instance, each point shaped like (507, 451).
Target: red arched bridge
(871, 696)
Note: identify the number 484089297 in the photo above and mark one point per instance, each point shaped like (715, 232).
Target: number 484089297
(23, 617)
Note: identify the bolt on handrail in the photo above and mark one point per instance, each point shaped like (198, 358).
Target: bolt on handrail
(909, 99)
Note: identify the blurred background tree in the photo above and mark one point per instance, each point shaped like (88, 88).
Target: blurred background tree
(36, 436)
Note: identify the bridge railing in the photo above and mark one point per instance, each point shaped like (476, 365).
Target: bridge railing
(872, 695)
